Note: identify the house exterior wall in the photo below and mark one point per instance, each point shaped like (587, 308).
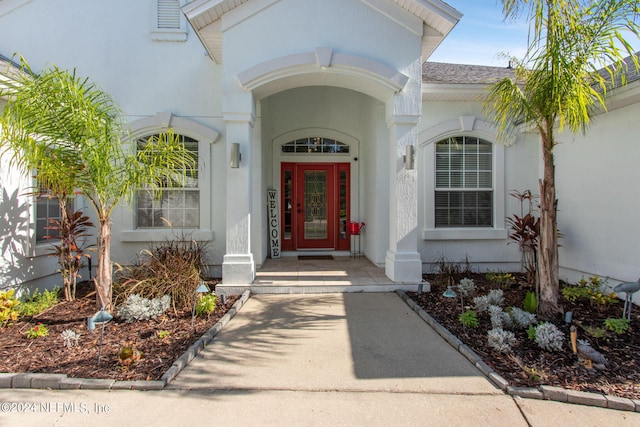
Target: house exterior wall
(113, 44)
(149, 79)
(597, 189)
(22, 262)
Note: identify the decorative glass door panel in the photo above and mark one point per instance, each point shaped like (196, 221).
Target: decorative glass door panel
(315, 205)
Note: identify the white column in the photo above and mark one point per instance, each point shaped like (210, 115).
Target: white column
(238, 266)
(403, 263)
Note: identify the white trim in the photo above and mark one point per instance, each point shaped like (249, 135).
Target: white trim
(280, 140)
(163, 234)
(463, 126)
(205, 137)
(164, 120)
(319, 63)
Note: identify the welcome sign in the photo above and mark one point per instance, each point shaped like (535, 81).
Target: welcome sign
(274, 222)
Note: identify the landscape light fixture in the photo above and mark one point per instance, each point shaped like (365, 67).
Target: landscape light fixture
(100, 318)
(449, 293)
(202, 289)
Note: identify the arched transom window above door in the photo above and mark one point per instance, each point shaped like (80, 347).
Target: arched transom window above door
(315, 144)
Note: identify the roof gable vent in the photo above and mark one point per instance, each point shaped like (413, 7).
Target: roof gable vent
(168, 14)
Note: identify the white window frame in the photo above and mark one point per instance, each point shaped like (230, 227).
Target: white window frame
(205, 137)
(37, 199)
(177, 189)
(178, 34)
(463, 126)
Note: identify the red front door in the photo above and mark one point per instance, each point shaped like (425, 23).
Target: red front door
(315, 206)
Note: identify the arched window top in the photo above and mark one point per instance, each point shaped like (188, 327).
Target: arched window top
(315, 144)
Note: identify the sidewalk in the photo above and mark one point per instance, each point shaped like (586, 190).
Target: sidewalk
(314, 360)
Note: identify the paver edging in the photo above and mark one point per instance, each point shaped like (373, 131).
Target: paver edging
(545, 392)
(64, 382)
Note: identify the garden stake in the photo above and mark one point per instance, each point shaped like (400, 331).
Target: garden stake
(100, 347)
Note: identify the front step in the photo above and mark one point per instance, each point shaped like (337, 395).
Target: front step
(318, 289)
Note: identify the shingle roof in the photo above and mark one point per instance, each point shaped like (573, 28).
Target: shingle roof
(630, 71)
(5, 60)
(439, 72)
(442, 73)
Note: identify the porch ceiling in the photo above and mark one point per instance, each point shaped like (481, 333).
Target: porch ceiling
(438, 17)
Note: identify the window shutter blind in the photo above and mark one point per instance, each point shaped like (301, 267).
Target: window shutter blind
(168, 14)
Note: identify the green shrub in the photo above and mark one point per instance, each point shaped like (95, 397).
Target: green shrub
(595, 332)
(619, 326)
(164, 334)
(40, 330)
(573, 293)
(206, 304)
(8, 307)
(38, 302)
(503, 279)
(469, 319)
(531, 332)
(530, 302)
(594, 290)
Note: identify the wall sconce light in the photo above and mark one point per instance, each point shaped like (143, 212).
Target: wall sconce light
(236, 156)
(409, 158)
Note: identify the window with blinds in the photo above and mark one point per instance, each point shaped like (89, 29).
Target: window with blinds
(47, 207)
(173, 207)
(464, 183)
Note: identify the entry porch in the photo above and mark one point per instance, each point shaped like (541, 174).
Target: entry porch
(315, 274)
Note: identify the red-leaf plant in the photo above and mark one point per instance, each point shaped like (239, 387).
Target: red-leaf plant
(525, 230)
(70, 231)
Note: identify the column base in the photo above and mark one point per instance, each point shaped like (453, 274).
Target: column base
(404, 267)
(238, 269)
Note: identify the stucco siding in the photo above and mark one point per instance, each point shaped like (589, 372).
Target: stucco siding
(598, 198)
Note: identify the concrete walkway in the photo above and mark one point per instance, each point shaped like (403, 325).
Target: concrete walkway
(313, 360)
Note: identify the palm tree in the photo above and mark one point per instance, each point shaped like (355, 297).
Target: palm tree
(70, 132)
(560, 83)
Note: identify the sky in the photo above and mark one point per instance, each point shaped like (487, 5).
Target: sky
(482, 34)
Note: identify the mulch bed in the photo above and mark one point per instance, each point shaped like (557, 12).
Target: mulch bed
(49, 354)
(529, 366)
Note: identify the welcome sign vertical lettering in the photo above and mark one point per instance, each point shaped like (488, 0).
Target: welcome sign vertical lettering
(274, 222)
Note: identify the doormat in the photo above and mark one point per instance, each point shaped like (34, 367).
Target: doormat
(314, 257)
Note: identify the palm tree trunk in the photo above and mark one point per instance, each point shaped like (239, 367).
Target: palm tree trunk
(103, 270)
(65, 252)
(548, 247)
